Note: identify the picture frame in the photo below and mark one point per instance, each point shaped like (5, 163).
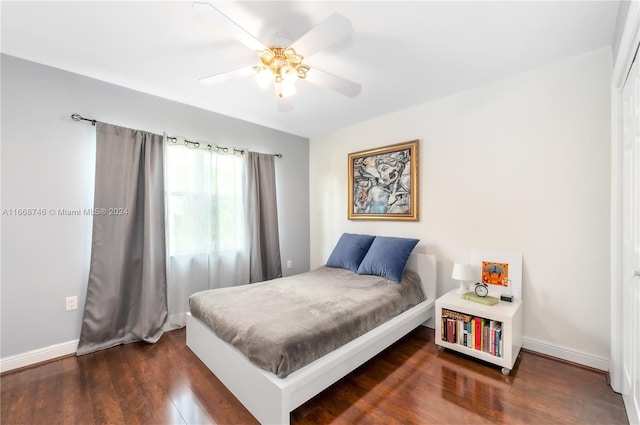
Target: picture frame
(500, 270)
(383, 183)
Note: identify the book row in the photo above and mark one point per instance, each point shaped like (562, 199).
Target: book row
(473, 332)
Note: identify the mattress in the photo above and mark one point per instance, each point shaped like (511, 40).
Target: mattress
(287, 323)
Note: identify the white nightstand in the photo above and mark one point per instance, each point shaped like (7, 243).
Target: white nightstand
(507, 314)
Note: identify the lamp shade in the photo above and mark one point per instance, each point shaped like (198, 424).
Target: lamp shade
(462, 272)
(264, 78)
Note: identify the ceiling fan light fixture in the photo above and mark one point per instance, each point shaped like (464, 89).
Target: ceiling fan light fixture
(285, 66)
(280, 62)
(286, 88)
(288, 73)
(263, 77)
(302, 71)
(292, 56)
(266, 55)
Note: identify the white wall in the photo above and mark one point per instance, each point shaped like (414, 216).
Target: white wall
(48, 161)
(521, 164)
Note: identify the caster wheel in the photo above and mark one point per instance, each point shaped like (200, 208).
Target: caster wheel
(506, 371)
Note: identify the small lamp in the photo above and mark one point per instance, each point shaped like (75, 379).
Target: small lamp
(463, 273)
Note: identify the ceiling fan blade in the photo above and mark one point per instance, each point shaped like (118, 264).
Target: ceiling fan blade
(328, 32)
(207, 13)
(339, 84)
(285, 104)
(227, 76)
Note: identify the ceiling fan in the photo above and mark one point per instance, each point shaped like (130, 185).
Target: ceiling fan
(280, 61)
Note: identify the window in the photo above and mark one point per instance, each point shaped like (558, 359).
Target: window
(205, 202)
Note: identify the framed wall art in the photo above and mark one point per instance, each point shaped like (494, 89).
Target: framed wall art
(500, 270)
(383, 183)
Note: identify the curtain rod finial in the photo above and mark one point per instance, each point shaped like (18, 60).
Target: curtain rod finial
(78, 117)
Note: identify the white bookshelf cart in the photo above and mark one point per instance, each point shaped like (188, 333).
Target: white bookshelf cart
(509, 314)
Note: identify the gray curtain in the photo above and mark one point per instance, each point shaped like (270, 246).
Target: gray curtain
(126, 294)
(264, 240)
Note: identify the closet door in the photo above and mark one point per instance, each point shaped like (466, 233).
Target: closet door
(631, 240)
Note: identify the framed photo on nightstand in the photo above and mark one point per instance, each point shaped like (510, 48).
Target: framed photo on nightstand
(500, 271)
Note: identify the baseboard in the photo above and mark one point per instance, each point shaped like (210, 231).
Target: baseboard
(567, 354)
(38, 356)
(65, 348)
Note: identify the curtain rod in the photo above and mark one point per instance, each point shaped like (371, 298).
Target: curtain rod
(78, 117)
(189, 143)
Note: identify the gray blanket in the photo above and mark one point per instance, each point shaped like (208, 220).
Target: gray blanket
(285, 324)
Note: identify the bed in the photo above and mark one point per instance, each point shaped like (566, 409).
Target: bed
(269, 398)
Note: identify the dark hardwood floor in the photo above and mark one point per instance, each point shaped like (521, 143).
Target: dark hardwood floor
(409, 383)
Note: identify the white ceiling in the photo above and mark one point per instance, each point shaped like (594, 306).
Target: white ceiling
(402, 53)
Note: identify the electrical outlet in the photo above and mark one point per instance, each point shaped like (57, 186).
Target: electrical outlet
(289, 264)
(72, 303)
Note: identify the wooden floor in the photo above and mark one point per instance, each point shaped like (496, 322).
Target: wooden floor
(409, 383)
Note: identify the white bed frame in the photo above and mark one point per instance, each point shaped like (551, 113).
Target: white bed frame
(271, 399)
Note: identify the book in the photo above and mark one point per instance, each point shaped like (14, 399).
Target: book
(455, 315)
(450, 331)
(474, 332)
(495, 337)
(471, 296)
(486, 332)
(477, 333)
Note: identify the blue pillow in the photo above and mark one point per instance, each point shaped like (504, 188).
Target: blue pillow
(349, 251)
(387, 257)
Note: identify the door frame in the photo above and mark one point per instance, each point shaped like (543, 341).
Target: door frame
(626, 52)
